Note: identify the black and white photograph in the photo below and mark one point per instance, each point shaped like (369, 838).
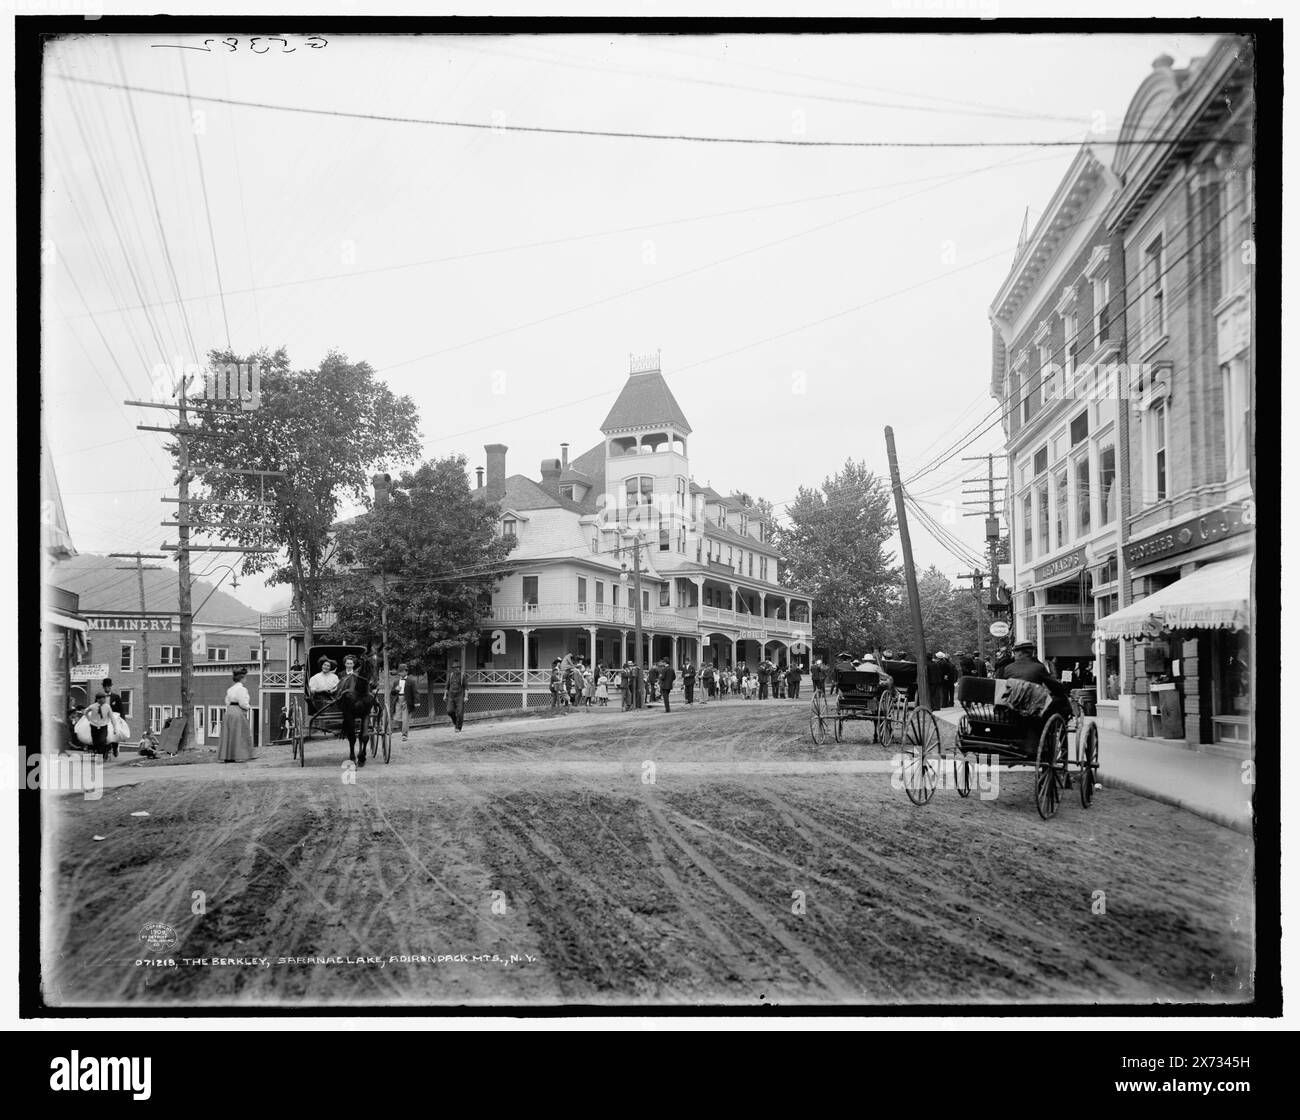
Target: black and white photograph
(592, 517)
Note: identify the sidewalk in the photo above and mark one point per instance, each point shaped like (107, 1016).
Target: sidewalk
(1204, 784)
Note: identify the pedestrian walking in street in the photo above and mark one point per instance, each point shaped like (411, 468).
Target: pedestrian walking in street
(403, 699)
(688, 681)
(818, 675)
(627, 682)
(99, 715)
(456, 692)
(764, 678)
(654, 682)
(793, 679)
(556, 683)
(602, 690)
(236, 742)
(709, 675)
(666, 678)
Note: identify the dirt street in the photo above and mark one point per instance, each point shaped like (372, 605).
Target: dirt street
(713, 855)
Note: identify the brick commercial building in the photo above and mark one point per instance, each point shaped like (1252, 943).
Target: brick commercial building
(1123, 358)
(141, 652)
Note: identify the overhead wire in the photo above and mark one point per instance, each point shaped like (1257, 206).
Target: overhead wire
(1069, 142)
(1002, 410)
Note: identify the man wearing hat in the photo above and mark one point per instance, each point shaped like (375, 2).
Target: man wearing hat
(404, 696)
(1026, 667)
(867, 663)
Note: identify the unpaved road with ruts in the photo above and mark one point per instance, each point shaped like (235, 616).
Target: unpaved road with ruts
(714, 855)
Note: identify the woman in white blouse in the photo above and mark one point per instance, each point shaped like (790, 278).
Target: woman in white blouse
(236, 734)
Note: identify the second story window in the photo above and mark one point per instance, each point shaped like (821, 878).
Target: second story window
(509, 527)
(1101, 309)
(127, 661)
(530, 591)
(1153, 290)
(169, 655)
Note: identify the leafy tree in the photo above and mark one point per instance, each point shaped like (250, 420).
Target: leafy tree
(327, 430)
(439, 552)
(951, 616)
(835, 547)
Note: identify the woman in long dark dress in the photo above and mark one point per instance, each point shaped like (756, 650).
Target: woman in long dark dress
(236, 744)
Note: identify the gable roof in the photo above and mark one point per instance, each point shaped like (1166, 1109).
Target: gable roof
(106, 590)
(645, 402)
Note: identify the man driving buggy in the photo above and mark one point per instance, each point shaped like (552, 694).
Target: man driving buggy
(1026, 667)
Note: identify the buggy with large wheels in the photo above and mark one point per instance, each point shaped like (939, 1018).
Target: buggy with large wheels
(860, 695)
(1019, 739)
(327, 714)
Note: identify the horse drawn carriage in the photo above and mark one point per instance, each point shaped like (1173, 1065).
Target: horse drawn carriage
(1018, 725)
(353, 705)
(859, 696)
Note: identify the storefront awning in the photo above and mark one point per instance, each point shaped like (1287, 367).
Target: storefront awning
(65, 621)
(1215, 597)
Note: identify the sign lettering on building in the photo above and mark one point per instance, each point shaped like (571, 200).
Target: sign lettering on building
(129, 622)
(96, 672)
(1230, 521)
(1070, 562)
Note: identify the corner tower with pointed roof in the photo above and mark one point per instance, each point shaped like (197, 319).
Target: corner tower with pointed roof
(647, 470)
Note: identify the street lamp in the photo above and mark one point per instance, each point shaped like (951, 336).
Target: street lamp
(634, 537)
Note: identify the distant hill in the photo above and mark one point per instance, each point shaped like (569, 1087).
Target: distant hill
(105, 589)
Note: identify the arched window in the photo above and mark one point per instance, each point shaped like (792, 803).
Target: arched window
(640, 490)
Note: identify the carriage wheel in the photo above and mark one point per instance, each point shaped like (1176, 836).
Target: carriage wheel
(298, 730)
(890, 714)
(961, 772)
(817, 721)
(1050, 772)
(1088, 757)
(921, 748)
(384, 731)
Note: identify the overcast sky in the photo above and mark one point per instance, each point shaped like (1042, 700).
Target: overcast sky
(802, 298)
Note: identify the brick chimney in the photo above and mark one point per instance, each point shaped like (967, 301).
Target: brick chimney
(496, 470)
(551, 471)
(478, 471)
(564, 456)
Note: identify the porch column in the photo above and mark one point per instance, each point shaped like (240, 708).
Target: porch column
(787, 610)
(673, 654)
(762, 610)
(733, 653)
(734, 591)
(623, 660)
(525, 631)
(591, 645)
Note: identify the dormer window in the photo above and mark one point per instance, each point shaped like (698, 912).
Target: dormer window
(509, 527)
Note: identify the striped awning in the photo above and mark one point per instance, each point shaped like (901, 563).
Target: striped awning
(1215, 597)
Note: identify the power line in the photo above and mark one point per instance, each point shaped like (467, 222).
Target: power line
(558, 59)
(568, 239)
(617, 134)
(1003, 410)
(695, 270)
(207, 208)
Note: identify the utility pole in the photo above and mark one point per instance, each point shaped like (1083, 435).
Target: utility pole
(140, 558)
(638, 697)
(977, 589)
(986, 507)
(913, 595)
(187, 472)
